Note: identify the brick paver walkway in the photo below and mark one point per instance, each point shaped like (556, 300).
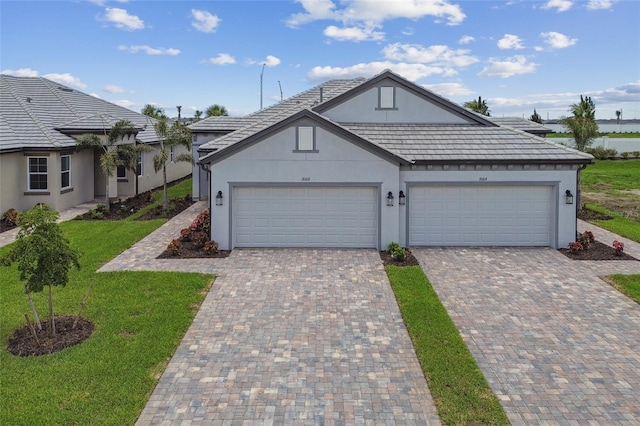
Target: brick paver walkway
(556, 343)
(295, 336)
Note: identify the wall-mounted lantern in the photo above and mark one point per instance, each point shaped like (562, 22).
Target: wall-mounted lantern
(402, 199)
(568, 197)
(219, 198)
(389, 199)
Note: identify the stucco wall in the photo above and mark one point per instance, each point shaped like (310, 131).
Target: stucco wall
(410, 109)
(14, 185)
(273, 161)
(175, 170)
(562, 179)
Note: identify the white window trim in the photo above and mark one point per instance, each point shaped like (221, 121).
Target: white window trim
(29, 173)
(171, 154)
(140, 167)
(383, 97)
(68, 171)
(300, 132)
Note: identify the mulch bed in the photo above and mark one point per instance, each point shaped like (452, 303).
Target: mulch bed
(588, 215)
(409, 260)
(122, 209)
(176, 206)
(4, 226)
(22, 343)
(190, 251)
(597, 251)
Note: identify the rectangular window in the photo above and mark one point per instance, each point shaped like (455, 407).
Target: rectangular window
(65, 172)
(387, 97)
(139, 166)
(171, 154)
(121, 172)
(37, 174)
(306, 139)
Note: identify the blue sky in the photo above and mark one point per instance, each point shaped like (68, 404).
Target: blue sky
(518, 55)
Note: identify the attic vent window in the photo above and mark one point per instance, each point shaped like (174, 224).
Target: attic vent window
(305, 139)
(386, 97)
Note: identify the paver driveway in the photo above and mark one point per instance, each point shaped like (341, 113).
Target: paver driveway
(556, 343)
(295, 337)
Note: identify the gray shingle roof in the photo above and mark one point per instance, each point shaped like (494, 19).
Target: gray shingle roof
(424, 143)
(277, 112)
(34, 113)
(521, 124)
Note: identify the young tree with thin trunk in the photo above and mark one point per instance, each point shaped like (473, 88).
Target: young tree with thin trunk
(535, 117)
(43, 255)
(582, 125)
(111, 147)
(170, 136)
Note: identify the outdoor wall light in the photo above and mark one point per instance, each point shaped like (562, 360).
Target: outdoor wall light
(389, 199)
(568, 197)
(219, 198)
(402, 199)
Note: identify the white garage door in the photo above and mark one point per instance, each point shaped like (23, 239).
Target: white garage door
(305, 217)
(480, 215)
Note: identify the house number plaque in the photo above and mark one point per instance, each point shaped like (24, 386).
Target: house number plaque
(483, 179)
(306, 179)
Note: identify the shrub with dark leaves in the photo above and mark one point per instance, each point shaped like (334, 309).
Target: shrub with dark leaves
(576, 247)
(174, 247)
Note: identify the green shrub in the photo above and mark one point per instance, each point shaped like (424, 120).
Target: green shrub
(601, 153)
(636, 154)
(11, 217)
(392, 246)
(625, 154)
(102, 208)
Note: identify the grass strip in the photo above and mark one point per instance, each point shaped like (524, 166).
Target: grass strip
(179, 190)
(140, 318)
(459, 389)
(611, 176)
(628, 285)
(620, 225)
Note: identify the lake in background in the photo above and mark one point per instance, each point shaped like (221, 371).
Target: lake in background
(619, 144)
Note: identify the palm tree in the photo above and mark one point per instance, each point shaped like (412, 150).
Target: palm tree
(582, 125)
(197, 116)
(618, 116)
(535, 117)
(153, 111)
(111, 149)
(215, 110)
(170, 136)
(478, 105)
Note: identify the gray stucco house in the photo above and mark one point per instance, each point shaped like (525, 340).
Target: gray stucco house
(39, 123)
(364, 162)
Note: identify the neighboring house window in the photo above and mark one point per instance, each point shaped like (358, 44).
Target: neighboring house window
(37, 174)
(387, 97)
(121, 172)
(139, 166)
(171, 154)
(306, 139)
(65, 172)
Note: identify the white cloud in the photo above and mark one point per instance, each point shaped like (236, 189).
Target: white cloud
(374, 11)
(466, 39)
(125, 103)
(437, 55)
(449, 89)
(121, 19)
(409, 71)
(66, 79)
(353, 33)
(222, 59)
(599, 4)
(560, 5)
(112, 88)
(508, 68)
(22, 72)
(557, 40)
(271, 61)
(204, 21)
(510, 41)
(150, 50)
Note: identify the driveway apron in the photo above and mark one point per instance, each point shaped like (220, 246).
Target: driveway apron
(556, 343)
(295, 336)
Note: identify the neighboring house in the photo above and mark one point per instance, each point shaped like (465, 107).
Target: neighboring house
(362, 163)
(523, 124)
(39, 123)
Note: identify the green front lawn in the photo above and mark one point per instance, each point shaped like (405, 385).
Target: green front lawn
(178, 190)
(460, 391)
(139, 317)
(626, 284)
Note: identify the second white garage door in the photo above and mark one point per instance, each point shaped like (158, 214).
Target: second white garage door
(480, 215)
(305, 217)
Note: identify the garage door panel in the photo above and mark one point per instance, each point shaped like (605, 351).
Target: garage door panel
(480, 215)
(305, 217)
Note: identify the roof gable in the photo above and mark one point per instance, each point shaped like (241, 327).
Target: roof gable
(414, 104)
(229, 145)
